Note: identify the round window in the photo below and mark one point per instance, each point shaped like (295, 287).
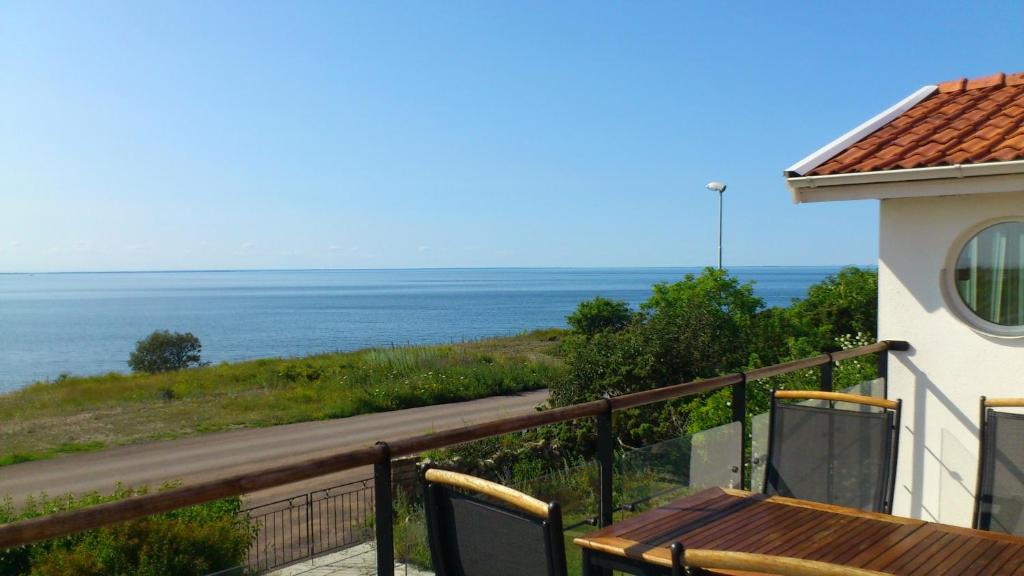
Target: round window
(988, 277)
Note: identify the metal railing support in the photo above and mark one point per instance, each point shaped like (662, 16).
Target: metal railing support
(383, 512)
(826, 375)
(739, 414)
(309, 524)
(606, 461)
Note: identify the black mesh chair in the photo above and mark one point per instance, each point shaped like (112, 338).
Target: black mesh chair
(479, 528)
(999, 497)
(842, 452)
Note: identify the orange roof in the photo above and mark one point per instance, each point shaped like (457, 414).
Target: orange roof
(959, 122)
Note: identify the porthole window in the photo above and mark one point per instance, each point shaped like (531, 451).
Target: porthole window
(988, 278)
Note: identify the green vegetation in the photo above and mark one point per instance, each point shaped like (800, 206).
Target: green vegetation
(195, 540)
(697, 328)
(76, 413)
(164, 351)
(705, 326)
(700, 327)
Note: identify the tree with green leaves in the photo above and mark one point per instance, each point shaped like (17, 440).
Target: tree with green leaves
(164, 351)
(599, 315)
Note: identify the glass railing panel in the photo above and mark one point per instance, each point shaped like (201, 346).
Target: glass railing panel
(575, 488)
(655, 474)
(758, 450)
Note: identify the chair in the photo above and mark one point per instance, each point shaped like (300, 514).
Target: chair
(999, 497)
(842, 452)
(706, 561)
(508, 534)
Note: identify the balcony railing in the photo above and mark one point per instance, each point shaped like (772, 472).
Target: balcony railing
(382, 453)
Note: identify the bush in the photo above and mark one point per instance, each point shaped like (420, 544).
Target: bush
(843, 304)
(701, 327)
(599, 315)
(164, 351)
(195, 540)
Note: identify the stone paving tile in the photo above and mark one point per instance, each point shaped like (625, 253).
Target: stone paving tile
(355, 561)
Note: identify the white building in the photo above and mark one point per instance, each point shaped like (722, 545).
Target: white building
(947, 165)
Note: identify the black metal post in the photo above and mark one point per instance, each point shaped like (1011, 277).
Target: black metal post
(826, 375)
(739, 414)
(309, 524)
(383, 512)
(605, 459)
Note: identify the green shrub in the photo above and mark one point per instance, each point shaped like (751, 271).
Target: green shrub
(164, 351)
(194, 540)
(704, 326)
(599, 315)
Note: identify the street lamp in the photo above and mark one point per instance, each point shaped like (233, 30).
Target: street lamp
(720, 188)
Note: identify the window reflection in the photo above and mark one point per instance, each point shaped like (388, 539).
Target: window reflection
(990, 274)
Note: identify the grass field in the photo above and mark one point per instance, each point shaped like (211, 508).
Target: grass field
(77, 414)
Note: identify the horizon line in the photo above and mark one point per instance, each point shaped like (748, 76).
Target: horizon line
(424, 268)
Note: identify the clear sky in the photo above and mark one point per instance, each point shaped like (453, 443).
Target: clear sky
(227, 135)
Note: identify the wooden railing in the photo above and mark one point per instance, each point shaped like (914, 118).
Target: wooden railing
(380, 456)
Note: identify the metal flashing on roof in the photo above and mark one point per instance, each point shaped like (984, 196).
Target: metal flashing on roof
(823, 154)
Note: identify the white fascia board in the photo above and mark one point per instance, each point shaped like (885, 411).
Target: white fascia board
(978, 183)
(823, 154)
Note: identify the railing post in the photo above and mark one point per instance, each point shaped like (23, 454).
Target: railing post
(309, 524)
(605, 459)
(739, 414)
(383, 512)
(826, 375)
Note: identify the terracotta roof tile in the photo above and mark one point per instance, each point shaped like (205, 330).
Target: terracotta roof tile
(964, 121)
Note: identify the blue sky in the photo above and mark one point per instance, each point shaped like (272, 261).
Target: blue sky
(227, 135)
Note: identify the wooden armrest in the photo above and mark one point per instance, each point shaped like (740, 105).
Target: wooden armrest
(836, 397)
(513, 498)
(759, 563)
(1004, 402)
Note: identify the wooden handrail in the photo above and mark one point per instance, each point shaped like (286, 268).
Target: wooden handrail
(63, 523)
(837, 397)
(513, 498)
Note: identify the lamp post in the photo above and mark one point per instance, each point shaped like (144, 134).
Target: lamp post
(719, 187)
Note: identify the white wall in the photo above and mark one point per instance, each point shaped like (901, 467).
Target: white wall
(949, 365)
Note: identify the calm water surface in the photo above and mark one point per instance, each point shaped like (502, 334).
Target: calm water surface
(89, 323)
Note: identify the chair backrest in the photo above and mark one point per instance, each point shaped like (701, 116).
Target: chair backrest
(479, 528)
(999, 497)
(830, 454)
(760, 563)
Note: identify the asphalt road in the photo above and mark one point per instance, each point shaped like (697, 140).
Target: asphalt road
(211, 455)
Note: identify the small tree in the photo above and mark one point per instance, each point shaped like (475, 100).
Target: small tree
(163, 351)
(599, 315)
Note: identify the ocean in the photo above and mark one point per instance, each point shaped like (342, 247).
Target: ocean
(88, 323)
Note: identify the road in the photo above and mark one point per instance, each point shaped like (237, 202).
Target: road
(206, 456)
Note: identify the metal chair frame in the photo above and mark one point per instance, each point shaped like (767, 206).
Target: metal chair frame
(892, 407)
(986, 466)
(548, 514)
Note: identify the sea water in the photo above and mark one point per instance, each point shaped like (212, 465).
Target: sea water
(88, 323)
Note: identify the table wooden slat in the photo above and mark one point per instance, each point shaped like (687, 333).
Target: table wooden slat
(737, 521)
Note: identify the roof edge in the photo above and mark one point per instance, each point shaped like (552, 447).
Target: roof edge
(828, 151)
(798, 184)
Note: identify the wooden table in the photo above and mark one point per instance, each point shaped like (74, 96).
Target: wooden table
(738, 521)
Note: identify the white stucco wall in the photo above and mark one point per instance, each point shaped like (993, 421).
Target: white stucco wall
(949, 365)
